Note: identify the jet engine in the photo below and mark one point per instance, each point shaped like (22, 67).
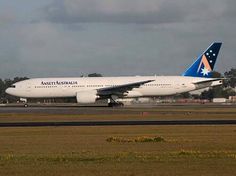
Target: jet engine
(86, 96)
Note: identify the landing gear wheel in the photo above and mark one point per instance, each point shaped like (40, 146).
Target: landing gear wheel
(110, 104)
(115, 104)
(120, 104)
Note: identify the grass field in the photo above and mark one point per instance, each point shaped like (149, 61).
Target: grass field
(128, 150)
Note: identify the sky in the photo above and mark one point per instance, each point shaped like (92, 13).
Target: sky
(61, 38)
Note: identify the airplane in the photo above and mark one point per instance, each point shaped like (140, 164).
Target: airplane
(90, 89)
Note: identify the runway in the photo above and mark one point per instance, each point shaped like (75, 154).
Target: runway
(118, 123)
(125, 116)
(80, 110)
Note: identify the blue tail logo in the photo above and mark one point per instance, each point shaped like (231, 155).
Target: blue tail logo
(205, 63)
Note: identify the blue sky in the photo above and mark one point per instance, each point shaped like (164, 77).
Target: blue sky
(117, 37)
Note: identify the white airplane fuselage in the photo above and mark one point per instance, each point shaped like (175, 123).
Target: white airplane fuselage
(90, 89)
(69, 87)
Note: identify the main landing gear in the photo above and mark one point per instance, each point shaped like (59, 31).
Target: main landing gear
(113, 103)
(26, 105)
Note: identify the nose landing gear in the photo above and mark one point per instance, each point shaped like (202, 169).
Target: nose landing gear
(24, 100)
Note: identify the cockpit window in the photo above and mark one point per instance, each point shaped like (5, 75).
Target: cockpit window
(13, 86)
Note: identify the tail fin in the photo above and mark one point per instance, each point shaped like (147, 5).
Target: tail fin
(205, 63)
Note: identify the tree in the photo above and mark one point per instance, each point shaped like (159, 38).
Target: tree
(183, 95)
(222, 91)
(217, 92)
(95, 75)
(2, 89)
(231, 75)
(216, 74)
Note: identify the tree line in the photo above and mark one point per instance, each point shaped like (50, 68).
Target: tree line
(224, 91)
(4, 84)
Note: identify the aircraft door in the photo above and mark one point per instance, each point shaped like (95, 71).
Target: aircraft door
(28, 87)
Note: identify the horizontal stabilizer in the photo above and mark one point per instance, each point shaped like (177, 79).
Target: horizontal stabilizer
(208, 83)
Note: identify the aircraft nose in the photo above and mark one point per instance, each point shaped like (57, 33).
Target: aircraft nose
(9, 91)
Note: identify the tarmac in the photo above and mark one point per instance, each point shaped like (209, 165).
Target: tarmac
(81, 110)
(101, 109)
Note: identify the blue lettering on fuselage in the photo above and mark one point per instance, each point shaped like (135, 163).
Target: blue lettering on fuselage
(52, 83)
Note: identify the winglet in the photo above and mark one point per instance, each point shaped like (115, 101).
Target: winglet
(205, 63)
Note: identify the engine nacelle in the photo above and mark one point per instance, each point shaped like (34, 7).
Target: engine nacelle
(86, 96)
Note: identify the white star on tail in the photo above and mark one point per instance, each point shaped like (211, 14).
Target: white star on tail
(205, 71)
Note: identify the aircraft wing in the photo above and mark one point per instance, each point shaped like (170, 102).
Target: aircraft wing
(120, 89)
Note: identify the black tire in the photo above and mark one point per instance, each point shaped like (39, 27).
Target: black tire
(119, 104)
(26, 105)
(110, 104)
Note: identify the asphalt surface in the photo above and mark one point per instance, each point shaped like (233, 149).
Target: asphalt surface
(63, 110)
(106, 110)
(118, 123)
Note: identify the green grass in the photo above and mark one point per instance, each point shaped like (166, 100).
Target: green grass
(117, 157)
(199, 150)
(136, 139)
(118, 150)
